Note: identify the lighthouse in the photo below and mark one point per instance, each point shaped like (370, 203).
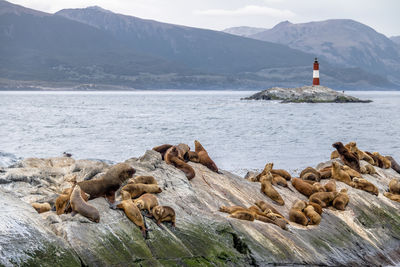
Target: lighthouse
(315, 80)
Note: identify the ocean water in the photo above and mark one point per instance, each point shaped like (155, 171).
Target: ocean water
(239, 135)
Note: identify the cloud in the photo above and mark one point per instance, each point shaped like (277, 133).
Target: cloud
(247, 10)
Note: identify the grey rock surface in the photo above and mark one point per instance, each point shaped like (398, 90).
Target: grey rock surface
(366, 233)
(305, 94)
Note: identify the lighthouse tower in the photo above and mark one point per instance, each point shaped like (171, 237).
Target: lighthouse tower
(315, 80)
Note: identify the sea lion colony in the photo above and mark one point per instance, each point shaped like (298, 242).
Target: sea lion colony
(138, 194)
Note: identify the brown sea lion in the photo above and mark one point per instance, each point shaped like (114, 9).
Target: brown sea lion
(173, 157)
(132, 211)
(377, 161)
(143, 179)
(306, 174)
(314, 217)
(282, 173)
(347, 157)
(386, 163)
(136, 190)
(296, 213)
(352, 173)
(394, 186)
(339, 175)
(267, 189)
(370, 169)
(109, 183)
(162, 149)
(365, 185)
(243, 215)
(82, 207)
(265, 207)
(330, 186)
(266, 171)
(324, 199)
(146, 202)
(302, 186)
(391, 196)
(316, 207)
(341, 200)
(326, 173)
(41, 207)
(163, 214)
(359, 153)
(62, 201)
(204, 158)
(279, 180)
(317, 187)
(231, 209)
(192, 156)
(394, 164)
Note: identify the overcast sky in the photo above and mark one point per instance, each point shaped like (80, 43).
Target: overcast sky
(382, 15)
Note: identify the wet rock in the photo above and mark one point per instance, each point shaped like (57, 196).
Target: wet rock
(366, 233)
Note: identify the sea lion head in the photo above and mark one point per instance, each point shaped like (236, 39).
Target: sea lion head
(139, 203)
(337, 145)
(352, 144)
(344, 190)
(158, 210)
(198, 146)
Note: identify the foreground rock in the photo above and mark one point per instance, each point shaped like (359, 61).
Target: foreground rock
(366, 233)
(305, 94)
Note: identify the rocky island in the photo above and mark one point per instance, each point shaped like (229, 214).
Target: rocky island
(305, 94)
(367, 232)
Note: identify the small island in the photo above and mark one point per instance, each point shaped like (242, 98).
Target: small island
(305, 94)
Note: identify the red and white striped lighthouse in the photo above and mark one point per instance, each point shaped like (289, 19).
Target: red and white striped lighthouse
(315, 80)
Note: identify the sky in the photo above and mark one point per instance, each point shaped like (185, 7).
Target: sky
(382, 15)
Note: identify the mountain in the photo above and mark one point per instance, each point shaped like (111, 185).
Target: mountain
(95, 48)
(341, 42)
(395, 39)
(244, 30)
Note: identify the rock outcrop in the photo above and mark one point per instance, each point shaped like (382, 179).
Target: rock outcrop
(366, 233)
(305, 94)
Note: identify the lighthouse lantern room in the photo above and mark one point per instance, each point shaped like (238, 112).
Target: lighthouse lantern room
(316, 73)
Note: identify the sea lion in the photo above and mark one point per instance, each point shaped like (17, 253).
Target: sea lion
(162, 149)
(359, 153)
(316, 207)
(146, 202)
(317, 187)
(394, 164)
(62, 201)
(365, 185)
(282, 173)
(335, 153)
(173, 156)
(80, 206)
(302, 186)
(41, 207)
(391, 196)
(109, 183)
(279, 180)
(143, 179)
(192, 156)
(266, 171)
(394, 186)
(377, 161)
(386, 163)
(310, 173)
(136, 190)
(341, 200)
(231, 209)
(163, 214)
(296, 213)
(330, 186)
(267, 189)
(314, 217)
(339, 175)
(326, 173)
(204, 158)
(324, 199)
(243, 215)
(352, 173)
(132, 211)
(265, 206)
(347, 157)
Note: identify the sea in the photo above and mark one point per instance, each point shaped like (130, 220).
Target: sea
(239, 135)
